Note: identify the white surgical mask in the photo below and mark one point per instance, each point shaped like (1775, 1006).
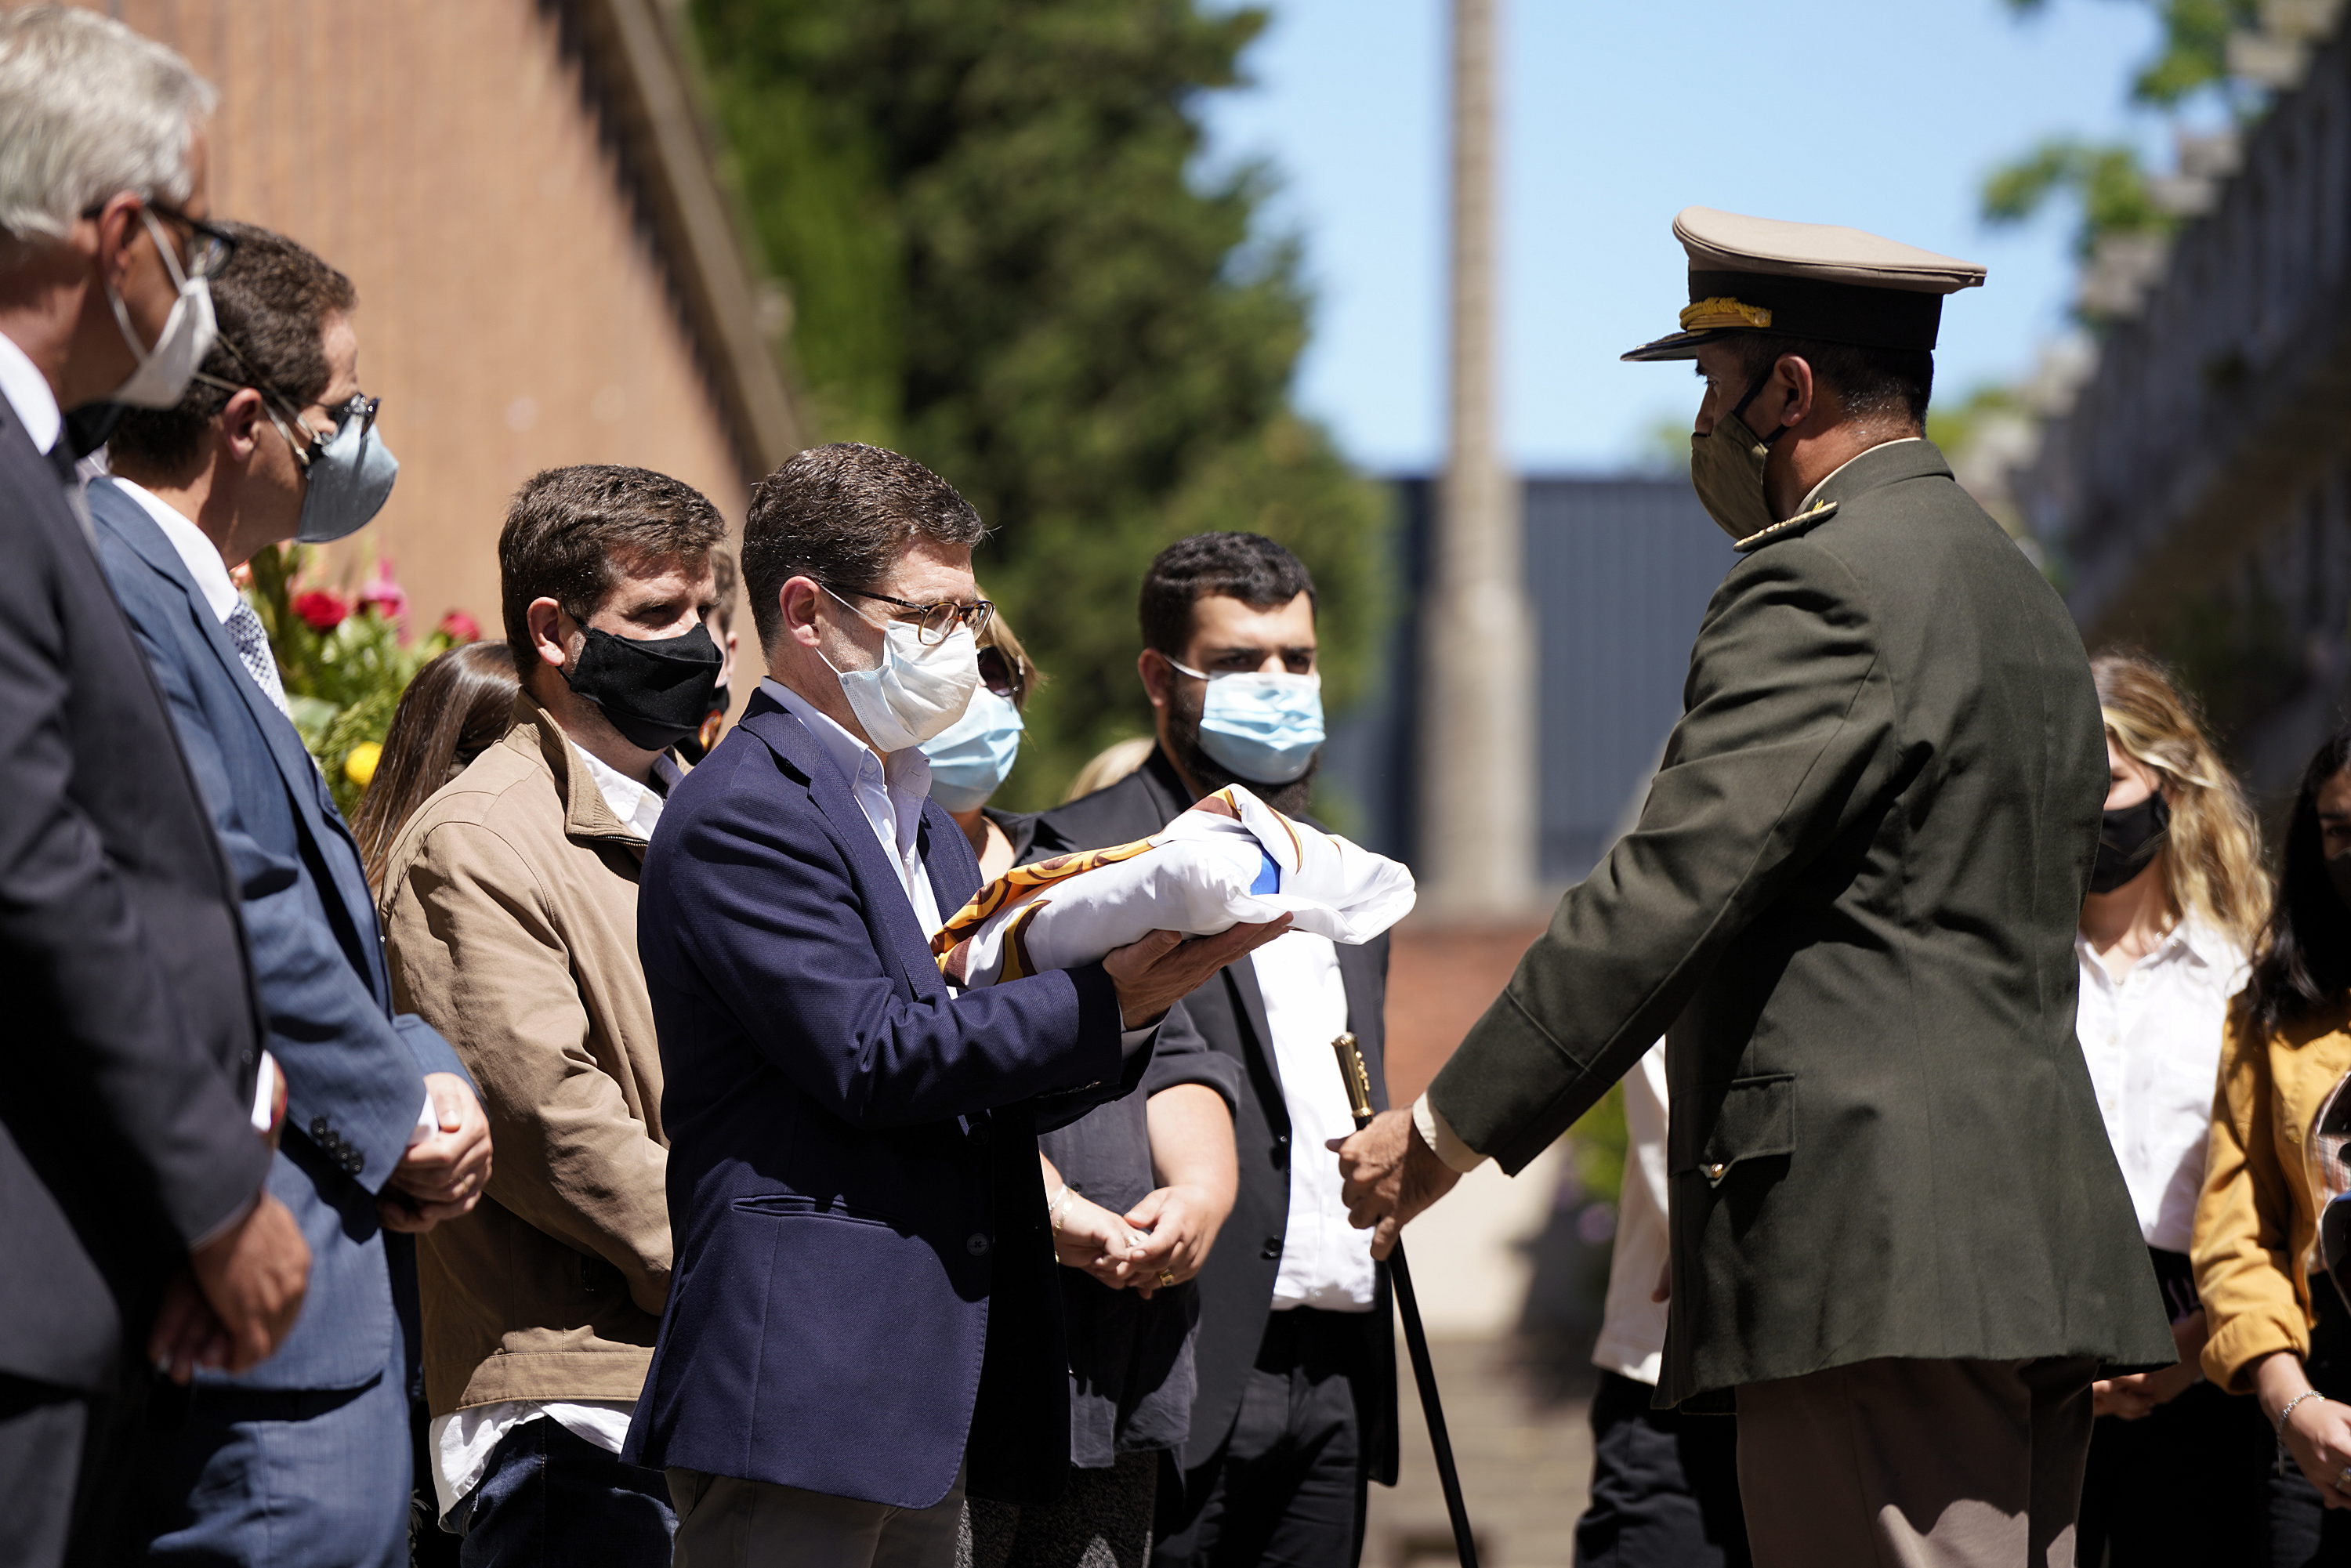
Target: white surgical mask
(165, 370)
(916, 691)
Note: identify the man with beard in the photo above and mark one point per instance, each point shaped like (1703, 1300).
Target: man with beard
(1295, 1411)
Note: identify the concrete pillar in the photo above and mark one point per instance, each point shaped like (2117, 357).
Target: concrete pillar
(1475, 857)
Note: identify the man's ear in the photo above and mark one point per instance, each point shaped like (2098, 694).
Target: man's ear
(1158, 677)
(117, 232)
(797, 601)
(1794, 372)
(241, 424)
(546, 618)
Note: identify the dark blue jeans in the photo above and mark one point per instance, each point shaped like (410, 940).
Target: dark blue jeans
(549, 1499)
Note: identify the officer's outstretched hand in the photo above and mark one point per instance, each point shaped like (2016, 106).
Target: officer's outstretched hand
(1388, 1176)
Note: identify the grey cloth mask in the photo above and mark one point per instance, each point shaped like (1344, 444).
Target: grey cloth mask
(350, 478)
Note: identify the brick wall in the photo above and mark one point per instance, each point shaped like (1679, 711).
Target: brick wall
(1441, 979)
(513, 313)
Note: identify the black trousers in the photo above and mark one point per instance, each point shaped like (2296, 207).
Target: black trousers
(2304, 1532)
(2185, 1483)
(1665, 1486)
(1287, 1489)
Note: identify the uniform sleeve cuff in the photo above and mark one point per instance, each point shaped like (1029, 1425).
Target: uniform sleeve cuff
(1439, 1136)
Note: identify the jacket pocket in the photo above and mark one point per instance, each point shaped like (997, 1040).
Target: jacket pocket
(1756, 1121)
(797, 1205)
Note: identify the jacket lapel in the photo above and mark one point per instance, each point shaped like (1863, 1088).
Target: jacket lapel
(876, 879)
(1359, 973)
(305, 789)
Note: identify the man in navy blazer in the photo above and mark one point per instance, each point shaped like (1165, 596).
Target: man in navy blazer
(305, 1458)
(864, 1311)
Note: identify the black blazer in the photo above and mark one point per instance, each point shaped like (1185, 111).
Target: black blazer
(123, 1115)
(1237, 1285)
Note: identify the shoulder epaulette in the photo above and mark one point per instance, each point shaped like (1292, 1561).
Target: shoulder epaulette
(1788, 529)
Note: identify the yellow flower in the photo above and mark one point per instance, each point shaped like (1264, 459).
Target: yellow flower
(359, 765)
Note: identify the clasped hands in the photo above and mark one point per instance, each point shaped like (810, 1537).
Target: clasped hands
(1161, 1242)
(1387, 1175)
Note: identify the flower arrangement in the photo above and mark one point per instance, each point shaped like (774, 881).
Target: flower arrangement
(345, 659)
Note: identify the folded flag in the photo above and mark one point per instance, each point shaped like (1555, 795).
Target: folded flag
(1229, 859)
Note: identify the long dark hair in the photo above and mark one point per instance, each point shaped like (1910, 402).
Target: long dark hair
(2306, 960)
(454, 710)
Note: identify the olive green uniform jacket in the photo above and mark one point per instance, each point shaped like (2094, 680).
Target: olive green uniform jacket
(1850, 906)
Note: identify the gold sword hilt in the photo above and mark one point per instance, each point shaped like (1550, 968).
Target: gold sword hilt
(1358, 1078)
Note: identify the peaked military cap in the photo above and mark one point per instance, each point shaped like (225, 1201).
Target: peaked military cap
(1806, 280)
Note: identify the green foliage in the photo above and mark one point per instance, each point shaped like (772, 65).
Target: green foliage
(1598, 1142)
(2194, 54)
(2107, 181)
(344, 662)
(1008, 263)
(1954, 425)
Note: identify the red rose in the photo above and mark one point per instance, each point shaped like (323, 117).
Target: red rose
(460, 627)
(322, 608)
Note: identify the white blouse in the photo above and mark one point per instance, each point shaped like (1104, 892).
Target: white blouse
(2153, 1043)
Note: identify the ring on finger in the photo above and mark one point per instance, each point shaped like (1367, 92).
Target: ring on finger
(1167, 1277)
(2342, 1479)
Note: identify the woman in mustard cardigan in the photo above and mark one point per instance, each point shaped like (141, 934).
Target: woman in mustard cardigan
(2279, 1329)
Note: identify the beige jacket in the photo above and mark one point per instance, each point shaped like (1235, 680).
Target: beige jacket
(510, 915)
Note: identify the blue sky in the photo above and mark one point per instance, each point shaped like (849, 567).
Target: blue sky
(1883, 114)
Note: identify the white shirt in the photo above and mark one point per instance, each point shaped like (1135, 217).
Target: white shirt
(890, 790)
(1633, 1327)
(1325, 1261)
(2153, 1043)
(28, 392)
(638, 806)
(462, 1441)
(197, 552)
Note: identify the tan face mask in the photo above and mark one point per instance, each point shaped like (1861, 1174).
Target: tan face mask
(1727, 470)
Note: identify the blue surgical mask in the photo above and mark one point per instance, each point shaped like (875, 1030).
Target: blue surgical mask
(972, 756)
(1265, 727)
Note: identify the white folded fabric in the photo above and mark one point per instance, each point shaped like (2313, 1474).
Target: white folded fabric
(1229, 859)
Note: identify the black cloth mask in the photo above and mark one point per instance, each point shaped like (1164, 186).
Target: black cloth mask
(655, 692)
(2128, 840)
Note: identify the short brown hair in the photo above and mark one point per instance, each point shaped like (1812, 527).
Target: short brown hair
(724, 579)
(572, 533)
(843, 515)
(272, 302)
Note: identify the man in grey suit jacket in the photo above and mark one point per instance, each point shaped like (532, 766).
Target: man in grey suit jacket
(304, 1459)
(1899, 1231)
(130, 1173)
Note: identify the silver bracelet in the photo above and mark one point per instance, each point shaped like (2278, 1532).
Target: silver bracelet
(2282, 1414)
(1053, 1215)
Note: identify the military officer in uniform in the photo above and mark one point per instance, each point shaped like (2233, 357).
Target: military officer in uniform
(1901, 1246)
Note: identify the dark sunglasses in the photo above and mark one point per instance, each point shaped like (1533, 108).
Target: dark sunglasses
(1000, 673)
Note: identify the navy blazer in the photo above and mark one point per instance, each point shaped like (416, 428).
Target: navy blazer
(864, 1284)
(354, 1072)
(124, 1129)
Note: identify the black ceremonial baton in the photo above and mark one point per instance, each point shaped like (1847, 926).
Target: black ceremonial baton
(1415, 1337)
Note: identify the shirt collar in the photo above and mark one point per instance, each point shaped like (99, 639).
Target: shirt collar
(201, 557)
(637, 805)
(1813, 494)
(28, 392)
(2197, 941)
(905, 774)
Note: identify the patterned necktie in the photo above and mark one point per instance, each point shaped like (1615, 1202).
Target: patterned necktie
(244, 629)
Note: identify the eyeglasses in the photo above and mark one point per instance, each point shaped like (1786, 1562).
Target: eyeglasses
(1002, 673)
(312, 441)
(209, 245)
(933, 622)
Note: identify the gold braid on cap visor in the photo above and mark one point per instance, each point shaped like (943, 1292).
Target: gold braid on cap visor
(1722, 311)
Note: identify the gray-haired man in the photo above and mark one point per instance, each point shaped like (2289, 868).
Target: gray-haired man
(132, 1214)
